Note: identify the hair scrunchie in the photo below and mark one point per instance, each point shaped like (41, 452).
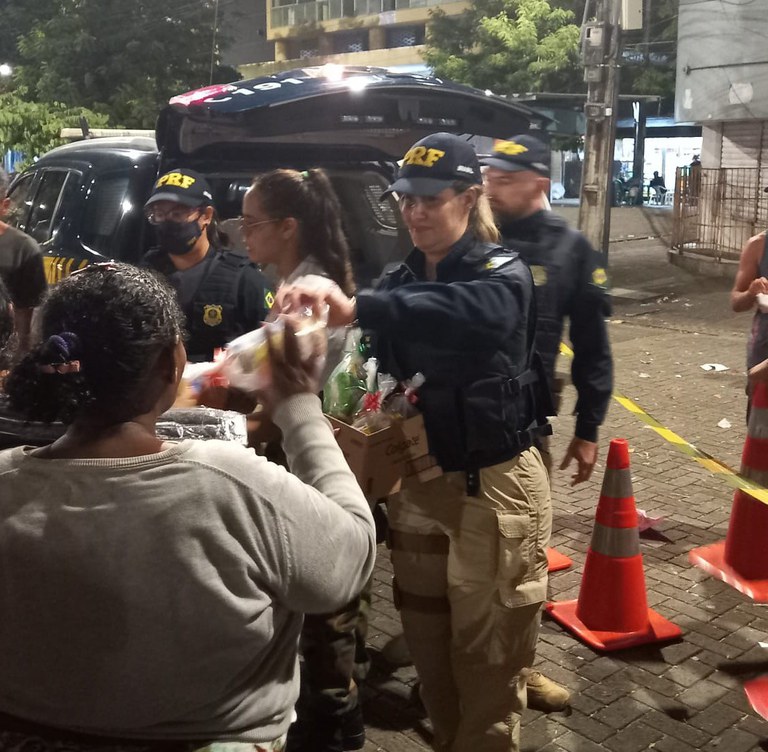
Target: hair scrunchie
(59, 352)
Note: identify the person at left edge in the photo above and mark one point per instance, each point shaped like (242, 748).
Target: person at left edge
(21, 269)
(222, 294)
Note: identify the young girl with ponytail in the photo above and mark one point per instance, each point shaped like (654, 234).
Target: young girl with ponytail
(292, 221)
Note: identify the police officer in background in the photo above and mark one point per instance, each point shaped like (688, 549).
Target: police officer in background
(468, 547)
(222, 294)
(570, 281)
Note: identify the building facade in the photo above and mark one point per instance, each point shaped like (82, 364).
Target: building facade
(244, 24)
(722, 83)
(383, 33)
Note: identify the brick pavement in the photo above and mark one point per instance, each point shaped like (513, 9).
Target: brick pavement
(674, 698)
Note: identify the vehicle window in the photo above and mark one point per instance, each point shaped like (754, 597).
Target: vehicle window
(43, 221)
(105, 206)
(385, 211)
(21, 200)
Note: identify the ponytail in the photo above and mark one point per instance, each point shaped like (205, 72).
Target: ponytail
(480, 215)
(103, 329)
(44, 385)
(309, 198)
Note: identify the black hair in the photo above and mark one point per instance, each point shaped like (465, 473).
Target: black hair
(101, 331)
(6, 326)
(309, 198)
(216, 236)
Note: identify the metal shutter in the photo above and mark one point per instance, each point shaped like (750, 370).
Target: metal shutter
(745, 144)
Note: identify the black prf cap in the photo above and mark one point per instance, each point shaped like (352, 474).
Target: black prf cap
(182, 186)
(434, 164)
(519, 153)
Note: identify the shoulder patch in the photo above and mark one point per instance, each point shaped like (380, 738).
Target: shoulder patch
(269, 299)
(497, 261)
(599, 277)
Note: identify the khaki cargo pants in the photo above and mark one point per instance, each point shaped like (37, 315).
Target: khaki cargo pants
(470, 578)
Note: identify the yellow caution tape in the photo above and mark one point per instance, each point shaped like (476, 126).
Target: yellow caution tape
(707, 461)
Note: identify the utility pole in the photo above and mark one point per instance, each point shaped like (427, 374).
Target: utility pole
(213, 40)
(601, 47)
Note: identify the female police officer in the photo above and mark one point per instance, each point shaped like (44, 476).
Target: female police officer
(221, 293)
(468, 548)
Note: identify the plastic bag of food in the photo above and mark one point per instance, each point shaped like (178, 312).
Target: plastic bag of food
(346, 386)
(402, 404)
(371, 416)
(245, 364)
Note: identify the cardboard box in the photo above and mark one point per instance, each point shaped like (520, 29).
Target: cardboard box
(382, 461)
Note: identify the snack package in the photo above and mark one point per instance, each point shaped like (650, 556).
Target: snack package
(245, 363)
(346, 385)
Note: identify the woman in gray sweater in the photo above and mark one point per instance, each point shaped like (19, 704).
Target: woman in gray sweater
(154, 591)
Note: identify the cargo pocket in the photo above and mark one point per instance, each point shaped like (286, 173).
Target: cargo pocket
(514, 556)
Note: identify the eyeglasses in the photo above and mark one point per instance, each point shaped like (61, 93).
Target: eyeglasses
(247, 224)
(179, 214)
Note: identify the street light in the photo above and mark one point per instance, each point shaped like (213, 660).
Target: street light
(5, 70)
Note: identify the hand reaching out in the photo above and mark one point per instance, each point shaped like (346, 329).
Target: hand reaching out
(291, 374)
(341, 309)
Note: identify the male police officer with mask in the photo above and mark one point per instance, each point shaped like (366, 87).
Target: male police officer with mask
(221, 293)
(570, 281)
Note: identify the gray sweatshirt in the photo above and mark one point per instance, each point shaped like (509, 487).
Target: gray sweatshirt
(161, 596)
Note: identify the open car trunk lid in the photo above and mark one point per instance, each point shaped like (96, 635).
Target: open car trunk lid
(330, 114)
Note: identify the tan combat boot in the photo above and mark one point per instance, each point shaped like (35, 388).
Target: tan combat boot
(544, 694)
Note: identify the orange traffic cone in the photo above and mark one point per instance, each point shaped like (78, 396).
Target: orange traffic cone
(741, 559)
(557, 561)
(612, 609)
(757, 694)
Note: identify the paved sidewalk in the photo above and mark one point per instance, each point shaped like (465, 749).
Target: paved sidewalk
(675, 698)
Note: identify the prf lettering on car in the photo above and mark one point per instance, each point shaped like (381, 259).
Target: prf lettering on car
(423, 157)
(509, 147)
(175, 179)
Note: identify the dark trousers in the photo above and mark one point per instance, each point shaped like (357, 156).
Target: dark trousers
(328, 644)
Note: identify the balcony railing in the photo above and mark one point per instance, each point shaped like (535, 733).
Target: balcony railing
(326, 10)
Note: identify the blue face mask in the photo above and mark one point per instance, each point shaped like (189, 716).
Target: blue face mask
(178, 238)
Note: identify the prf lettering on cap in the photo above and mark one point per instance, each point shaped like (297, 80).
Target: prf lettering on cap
(176, 179)
(510, 147)
(423, 157)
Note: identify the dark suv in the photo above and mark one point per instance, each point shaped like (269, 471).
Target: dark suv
(83, 202)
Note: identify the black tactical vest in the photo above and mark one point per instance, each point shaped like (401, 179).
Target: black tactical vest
(212, 319)
(479, 408)
(212, 314)
(548, 260)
